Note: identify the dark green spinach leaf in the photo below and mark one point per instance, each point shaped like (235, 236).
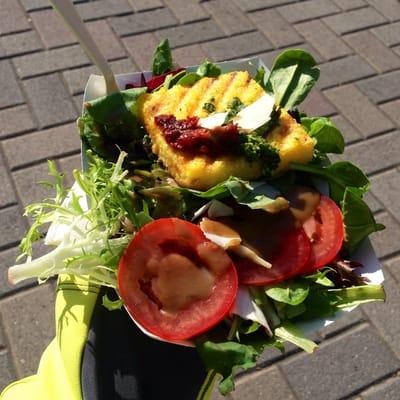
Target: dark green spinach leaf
(209, 69)
(293, 75)
(328, 137)
(358, 219)
(162, 59)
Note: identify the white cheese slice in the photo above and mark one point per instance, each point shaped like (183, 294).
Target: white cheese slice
(250, 118)
(247, 309)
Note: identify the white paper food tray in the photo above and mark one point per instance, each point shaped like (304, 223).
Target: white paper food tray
(372, 269)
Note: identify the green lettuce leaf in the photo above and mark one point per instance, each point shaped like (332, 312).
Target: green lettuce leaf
(339, 175)
(291, 292)
(358, 219)
(110, 124)
(293, 75)
(209, 69)
(162, 59)
(290, 333)
(328, 137)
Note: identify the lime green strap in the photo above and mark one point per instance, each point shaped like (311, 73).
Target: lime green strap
(58, 376)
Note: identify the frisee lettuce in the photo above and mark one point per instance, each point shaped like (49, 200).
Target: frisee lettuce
(94, 239)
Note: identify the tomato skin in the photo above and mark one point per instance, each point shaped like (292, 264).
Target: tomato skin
(289, 260)
(325, 229)
(166, 236)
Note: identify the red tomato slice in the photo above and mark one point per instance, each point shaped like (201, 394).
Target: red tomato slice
(325, 230)
(289, 260)
(174, 281)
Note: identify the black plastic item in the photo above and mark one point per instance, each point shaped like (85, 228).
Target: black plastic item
(121, 363)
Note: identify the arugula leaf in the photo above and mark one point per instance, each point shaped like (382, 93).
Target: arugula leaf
(358, 219)
(110, 124)
(162, 59)
(290, 292)
(172, 80)
(293, 75)
(339, 175)
(209, 69)
(328, 137)
(244, 193)
(289, 332)
(327, 302)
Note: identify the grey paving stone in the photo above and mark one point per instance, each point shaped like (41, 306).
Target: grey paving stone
(193, 33)
(375, 154)
(389, 34)
(383, 87)
(254, 5)
(347, 321)
(33, 330)
(15, 120)
(340, 360)
(236, 47)
(187, 10)
(389, 8)
(50, 100)
(52, 29)
(67, 165)
(10, 91)
(260, 385)
(7, 195)
(308, 10)
(27, 183)
(41, 145)
(393, 265)
(396, 49)
(354, 20)
(12, 226)
(31, 5)
(328, 44)
(386, 242)
(344, 70)
(373, 202)
(373, 50)
(54, 60)
(141, 49)
(143, 5)
(386, 316)
(350, 133)
(143, 22)
(12, 17)
(189, 55)
(228, 16)
(7, 259)
(76, 78)
(388, 390)
(350, 4)
(275, 28)
(19, 43)
(386, 187)
(392, 109)
(7, 373)
(359, 110)
(103, 8)
(269, 57)
(317, 104)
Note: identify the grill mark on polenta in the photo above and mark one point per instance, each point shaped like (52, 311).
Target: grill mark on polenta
(209, 94)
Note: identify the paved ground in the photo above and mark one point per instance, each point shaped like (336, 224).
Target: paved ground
(357, 42)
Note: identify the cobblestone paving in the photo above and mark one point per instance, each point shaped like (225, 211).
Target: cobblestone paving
(357, 43)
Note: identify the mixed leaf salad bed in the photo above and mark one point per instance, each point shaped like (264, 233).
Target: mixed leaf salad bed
(187, 263)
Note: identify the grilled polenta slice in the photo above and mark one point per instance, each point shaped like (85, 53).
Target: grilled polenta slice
(202, 172)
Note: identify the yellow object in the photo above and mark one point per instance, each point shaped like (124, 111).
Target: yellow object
(59, 372)
(201, 172)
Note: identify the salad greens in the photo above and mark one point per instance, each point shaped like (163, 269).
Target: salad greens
(162, 60)
(99, 219)
(293, 75)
